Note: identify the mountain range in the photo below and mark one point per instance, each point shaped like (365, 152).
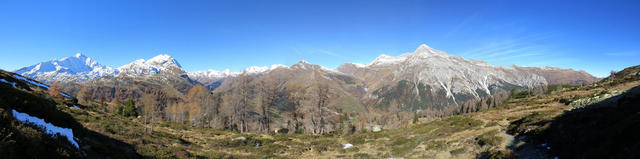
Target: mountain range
(81, 68)
(427, 82)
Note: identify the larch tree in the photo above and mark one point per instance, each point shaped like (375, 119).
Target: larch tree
(54, 90)
(200, 103)
(269, 92)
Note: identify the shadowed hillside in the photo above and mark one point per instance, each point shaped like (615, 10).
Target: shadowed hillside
(27, 140)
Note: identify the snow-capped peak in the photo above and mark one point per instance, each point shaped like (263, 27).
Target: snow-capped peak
(216, 75)
(212, 74)
(79, 55)
(302, 64)
(155, 65)
(425, 51)
(386, 59)
(263, 69)
(424, 46)
(77, 67)
(163, 59)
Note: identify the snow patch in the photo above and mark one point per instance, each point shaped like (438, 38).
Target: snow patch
(38, 84)
(259, 70)
(346, 146)
(11, 83)
(49, 128)
(32, 82)
(65, 95)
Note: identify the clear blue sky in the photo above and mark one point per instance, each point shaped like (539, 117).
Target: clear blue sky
(596, 36)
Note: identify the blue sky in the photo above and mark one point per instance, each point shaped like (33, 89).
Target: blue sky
(595, 36)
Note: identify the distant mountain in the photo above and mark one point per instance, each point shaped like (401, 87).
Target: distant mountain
(213, 78)
(555, 75)
(82, 68)
(78, 67)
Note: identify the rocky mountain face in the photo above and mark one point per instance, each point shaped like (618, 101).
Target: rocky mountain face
(555, 75)
(431, 78)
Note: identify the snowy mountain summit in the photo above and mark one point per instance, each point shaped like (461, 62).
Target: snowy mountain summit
(162, 63)
(78, 67)
(82, 68)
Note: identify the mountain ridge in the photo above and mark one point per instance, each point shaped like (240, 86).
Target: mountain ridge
(82, 68)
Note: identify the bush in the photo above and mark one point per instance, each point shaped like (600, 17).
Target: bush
(489, 138)
(128, 110)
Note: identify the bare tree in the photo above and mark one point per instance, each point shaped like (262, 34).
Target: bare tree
(269, 93)
(216, 120)
(54, 90)
(149, 104)
(243, 102)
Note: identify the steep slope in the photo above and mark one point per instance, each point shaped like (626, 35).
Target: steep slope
(604, 129)
(36, 125)
(555, 75)
(78, 67)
